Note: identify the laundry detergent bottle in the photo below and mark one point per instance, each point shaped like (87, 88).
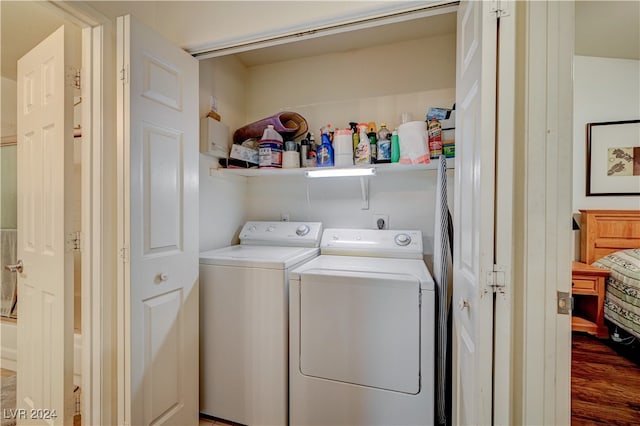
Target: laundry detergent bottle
(363, 150)
(324, 156)
(270, 149)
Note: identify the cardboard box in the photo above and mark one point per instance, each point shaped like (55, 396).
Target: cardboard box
(214, 138)
(243, 153)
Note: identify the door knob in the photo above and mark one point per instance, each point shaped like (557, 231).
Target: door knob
(17, 267)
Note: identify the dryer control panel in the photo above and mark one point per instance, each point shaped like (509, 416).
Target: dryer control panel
(288, 234)
(399, 244)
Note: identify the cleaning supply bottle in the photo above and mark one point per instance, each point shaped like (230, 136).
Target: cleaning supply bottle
(363, 151)
(395, 147)
(355, 136)
(384, 144)
(312, 141)
(324, 156)
(304, 152)
(435, 138)
(270, 149)
(373, 143)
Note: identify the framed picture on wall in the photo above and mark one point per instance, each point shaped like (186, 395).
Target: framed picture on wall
(613, 158)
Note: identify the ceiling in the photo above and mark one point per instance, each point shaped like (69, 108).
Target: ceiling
(24, 24)
(609, 29)
(603, 28)
(346, 41)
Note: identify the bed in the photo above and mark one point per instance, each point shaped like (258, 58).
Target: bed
(610, 239)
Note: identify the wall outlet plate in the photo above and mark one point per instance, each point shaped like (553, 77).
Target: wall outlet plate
(284, 217)
(384, 223)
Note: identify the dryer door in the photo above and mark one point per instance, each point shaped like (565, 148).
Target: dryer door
(361, 328)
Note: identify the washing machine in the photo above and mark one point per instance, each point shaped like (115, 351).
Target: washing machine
(244, 321)
(362, 326)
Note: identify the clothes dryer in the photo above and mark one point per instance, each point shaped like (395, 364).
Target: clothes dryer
(362, 326)
(244, 321)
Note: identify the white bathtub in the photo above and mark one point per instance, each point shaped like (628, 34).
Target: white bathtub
(9, 348)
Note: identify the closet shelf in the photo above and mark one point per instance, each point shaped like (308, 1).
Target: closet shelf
(380, 169)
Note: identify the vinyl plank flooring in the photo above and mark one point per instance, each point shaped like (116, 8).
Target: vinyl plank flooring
(6, 373)
(605, 386)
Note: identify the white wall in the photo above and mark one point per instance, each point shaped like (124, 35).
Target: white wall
(8, 154)
(408, 198)
(605, 89)
(9, 111)
(222, 207)
(372, 84)
(222, 201)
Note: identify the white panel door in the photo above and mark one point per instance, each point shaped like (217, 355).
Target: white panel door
(158, 157)
(45, 284)
(472, 302)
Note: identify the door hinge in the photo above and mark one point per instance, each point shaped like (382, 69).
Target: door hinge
(123, 75)
(74, 241)
(497, 278)
(124, 254)
(499, 9)
(72, 77)
(565, 303)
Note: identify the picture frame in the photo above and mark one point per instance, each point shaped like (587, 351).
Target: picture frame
(613, 158)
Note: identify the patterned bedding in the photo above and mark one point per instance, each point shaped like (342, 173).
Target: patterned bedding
(622, 296)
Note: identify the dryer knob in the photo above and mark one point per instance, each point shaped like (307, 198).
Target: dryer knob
(271, 229)
(302, 230)
(252, 228)
(402, 239)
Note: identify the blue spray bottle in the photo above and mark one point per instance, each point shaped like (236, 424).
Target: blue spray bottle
(324, 156)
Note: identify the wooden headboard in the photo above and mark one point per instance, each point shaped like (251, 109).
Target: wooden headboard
(606, 231)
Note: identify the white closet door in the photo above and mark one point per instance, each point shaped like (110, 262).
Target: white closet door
(472, 302)
(45, 284)
(158, 292)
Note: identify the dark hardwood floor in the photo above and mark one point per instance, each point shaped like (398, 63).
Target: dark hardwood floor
(605, 386)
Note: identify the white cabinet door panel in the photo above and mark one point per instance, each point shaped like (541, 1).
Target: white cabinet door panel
(45, 285)
(472, 303)
(158, 296)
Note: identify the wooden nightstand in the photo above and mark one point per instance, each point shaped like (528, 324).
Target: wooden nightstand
(587, 287)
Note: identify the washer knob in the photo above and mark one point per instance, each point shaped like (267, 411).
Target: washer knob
(302, 230)
(252, 228)
(402, 239)
(271, 229)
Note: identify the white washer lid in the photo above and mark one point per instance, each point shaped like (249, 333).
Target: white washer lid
(270, 257)
(367, 265)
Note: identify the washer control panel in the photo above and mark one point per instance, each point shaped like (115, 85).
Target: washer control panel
(294, 234)
(375, 243)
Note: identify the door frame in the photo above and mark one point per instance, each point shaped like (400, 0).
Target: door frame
(97, 242)
(542, 200)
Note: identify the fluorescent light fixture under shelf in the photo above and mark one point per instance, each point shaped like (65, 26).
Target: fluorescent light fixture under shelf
(370, 171)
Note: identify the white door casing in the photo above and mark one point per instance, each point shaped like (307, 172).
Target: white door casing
(472, 303)
(45, 157)
(158, 229)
